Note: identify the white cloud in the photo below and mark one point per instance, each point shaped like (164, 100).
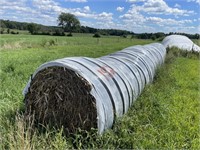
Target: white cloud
(120, 9)
(106, 25)
(2, 12)
(83, 14)
(196, 1)
(161, 7)
(185, 29)
(16, 6)
(78, 1)
(169, 22)
(87, 8)
(135, 18)
(156, 7)
(45, 2)
(152, 24)
(47, 6)
(137, 27)
(104, 16)
(133, 15)
(177, 5)
(12, 2)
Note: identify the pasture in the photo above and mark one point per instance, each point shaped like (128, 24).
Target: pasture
(166, 115)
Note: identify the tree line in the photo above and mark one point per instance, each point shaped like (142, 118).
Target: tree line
(34, 28)
(69, 23)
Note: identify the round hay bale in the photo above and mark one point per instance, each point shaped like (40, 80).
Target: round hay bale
(60, 97)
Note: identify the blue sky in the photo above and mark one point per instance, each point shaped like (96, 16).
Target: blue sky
(133, 15)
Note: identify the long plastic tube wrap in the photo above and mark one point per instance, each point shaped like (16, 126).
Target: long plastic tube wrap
(180, 41)
(115, 81)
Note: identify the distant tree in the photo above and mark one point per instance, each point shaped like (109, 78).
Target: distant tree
(153, 37)
(8, 30)
(32, 28)
(2, 31)
(143, 36)
(124, 36)
(96, 35)
(69, 22)
(132, 36)
(2, 24)
(59, 32)
(159, 34)
(196, 36)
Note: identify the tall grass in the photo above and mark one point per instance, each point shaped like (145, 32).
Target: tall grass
(166, 115)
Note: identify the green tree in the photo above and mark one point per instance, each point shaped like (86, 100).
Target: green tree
(69, 22)
(32, 28)
(2, 24)
(96, 35)
(153, 37)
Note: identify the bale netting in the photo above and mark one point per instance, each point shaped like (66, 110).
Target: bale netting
(85, 93)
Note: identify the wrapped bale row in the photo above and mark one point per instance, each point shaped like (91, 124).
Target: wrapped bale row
(181, 42)
(82, 92)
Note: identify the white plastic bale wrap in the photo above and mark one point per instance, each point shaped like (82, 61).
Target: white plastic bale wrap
(180, 41)
(116, 80)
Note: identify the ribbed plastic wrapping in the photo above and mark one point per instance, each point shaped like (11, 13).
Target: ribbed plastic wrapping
(116, 79)
(180, 41)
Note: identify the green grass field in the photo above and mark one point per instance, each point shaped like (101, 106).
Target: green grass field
(166, 115)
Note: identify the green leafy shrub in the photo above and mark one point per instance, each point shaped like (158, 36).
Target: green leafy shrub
(59, 32)
(96, 35)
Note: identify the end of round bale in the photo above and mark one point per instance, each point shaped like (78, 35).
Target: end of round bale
(59, 97)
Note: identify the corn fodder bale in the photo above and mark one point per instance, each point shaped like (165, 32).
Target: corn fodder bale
(115, 80)
(59, 97)
(181, 42)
